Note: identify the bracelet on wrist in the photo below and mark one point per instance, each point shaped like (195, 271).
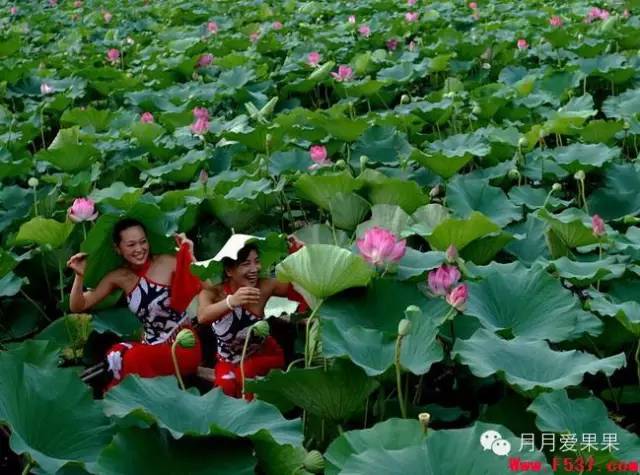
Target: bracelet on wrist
(228, 301)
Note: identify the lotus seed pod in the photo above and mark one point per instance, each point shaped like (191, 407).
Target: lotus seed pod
(556, 187)
(486, 66)
(405, 99)
(341, 163)
(579, 175)
(424, 418)
(33, 182)
(514, 174)
(404, 327)
(186, 338)
(313, 462)
(261, 329)
(523, 142)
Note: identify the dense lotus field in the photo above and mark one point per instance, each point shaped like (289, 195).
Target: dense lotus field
(464, 179)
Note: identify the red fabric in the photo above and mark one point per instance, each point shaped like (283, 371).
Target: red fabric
(184, 285)
(148, 361)
(269, 357)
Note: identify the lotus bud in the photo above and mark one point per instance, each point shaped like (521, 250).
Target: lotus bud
(486, 66)
(186, 338)
(424, 418)
(579, 175)
(203, 177)
(261, 329)
(626, 125)
(514, 174)
(523, 142)
(405, 99)
(452, 254)
(363, 161)
(404, 327)
(341, 163)
(556, 187)
(268, 138)
(33, 182)
(313, 462)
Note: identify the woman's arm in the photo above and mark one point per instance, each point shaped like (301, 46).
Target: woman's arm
(212, 303)
(80, 301)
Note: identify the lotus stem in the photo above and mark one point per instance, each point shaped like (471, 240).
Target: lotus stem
(29, 464)
(84, 231)
(637, 358)
(175, 364)
(308, 351)
(403, 408)
(61, 283)
(244, 354)
(424, 418)
(35, 304)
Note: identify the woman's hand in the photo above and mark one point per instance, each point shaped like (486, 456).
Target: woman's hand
(245, 296)
(78, 263)
(294, 243)
(183, 239)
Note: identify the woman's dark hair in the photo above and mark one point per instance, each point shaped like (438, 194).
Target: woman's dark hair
(228, 263)
(123, 224)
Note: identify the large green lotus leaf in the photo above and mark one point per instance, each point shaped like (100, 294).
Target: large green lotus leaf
(88, 117)
(181, 170)
(322, 234)
(530, 365)
(483, 250)
(289, 161)
(406, 194)
(117, 194)
(391, 217)
(572, 226)
(437, 112)
(465, 196)
(381, 145)
(44, 232)
(240, 216)
(601, 131)
(119, 321)
(187, 413)
(425, 219)
(135, 451)
(322, 270)
(400, 447)
(52, 416)
(280, 459)
(71, 158)
(555, 412)
(626, 312)
(618, 196)
(529, 303)
(415, 263)
(529, 244)
(461, 232)
(364, 327)
(320, 189)
(586, 157)
(534, 198)
(348, 210)
(336, 393)
(446, 157)
(571, 115)
(625, 106)
(586, 273)
(10, 285)
(40, 353)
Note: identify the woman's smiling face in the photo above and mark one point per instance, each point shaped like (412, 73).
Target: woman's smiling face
(133, 245)
(247, 272)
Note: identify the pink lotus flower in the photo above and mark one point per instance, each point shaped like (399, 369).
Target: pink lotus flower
(255, 36)
(276, 25)
(46, 89)
(113, 55)
(203, 177)
(318, 154)
(205, 60)
(146, 118)
(107, 16)
(443, 279)
(82, 209)
(77, 3)
(352, 19)
(597, 14)
(458, 297)
(392, 44)
(555, 21)
(13, 10)
(53, 3)
(597, 226)
(411, 16)
(313, 58)
(380, 247)
(364, 30)
(451, 254)
(411, 2)
(626, 13)
(212, 27)
(201, 125)
(473, 5)
(345, 73)
(522, 44)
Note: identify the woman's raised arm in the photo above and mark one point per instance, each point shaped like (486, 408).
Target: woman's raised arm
(79, 300)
